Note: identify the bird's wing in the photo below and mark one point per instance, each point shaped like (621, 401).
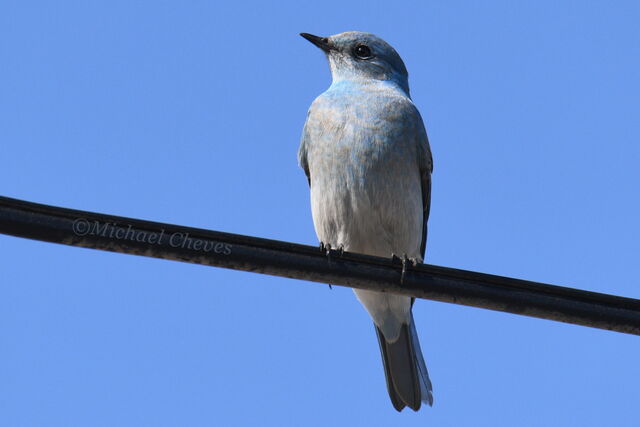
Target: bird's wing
(302, 151)
(425, 164)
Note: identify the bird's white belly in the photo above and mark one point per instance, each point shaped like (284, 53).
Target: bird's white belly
(376, 218)
(381, 218)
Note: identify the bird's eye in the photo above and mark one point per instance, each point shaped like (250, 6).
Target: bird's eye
(362, 51)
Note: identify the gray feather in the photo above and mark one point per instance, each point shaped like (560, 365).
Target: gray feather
(366, 155)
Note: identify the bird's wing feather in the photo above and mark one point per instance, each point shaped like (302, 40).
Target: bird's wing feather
(302, 151)
(425, 164)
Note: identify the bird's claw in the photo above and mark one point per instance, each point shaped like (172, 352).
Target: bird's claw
(323, 247)
(326, 250)
(405, 261)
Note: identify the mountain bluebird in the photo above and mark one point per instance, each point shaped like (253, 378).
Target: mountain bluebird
(366, 155)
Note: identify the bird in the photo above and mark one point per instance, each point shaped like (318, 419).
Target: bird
(366, 155)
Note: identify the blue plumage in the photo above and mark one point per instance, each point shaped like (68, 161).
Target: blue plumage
(366, 154)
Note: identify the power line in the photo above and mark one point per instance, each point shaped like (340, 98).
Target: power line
(138, 237)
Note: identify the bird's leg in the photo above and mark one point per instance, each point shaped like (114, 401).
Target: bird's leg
(325, 248)
(405, 263)
(404, 268)
(395, 259)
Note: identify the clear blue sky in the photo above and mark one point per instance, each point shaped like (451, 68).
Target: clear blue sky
(191, 113)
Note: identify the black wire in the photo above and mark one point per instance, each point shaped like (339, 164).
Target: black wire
(186, 244)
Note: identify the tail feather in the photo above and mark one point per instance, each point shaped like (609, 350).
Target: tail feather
(405, 371)
(396, 400)
(426, 388)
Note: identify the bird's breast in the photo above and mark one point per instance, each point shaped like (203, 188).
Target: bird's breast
(365, 185)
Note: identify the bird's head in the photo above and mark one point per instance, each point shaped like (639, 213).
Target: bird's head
(361, 56)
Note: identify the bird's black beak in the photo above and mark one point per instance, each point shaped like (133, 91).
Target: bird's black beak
(322, 42)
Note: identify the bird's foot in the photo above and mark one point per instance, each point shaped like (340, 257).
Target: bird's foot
(406, 262)
(326, 250)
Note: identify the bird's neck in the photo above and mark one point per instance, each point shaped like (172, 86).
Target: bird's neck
(351, 83)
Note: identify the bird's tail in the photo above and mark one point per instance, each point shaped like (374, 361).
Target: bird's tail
(404, 368)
